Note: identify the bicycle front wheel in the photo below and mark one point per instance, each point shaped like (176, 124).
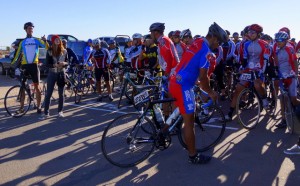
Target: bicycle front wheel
(13, 101)
(128, 140)
(248, 109)
(69, 90)
(288, 112)
(207, 134)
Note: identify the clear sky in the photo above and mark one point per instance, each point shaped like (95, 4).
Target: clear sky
(94, 18)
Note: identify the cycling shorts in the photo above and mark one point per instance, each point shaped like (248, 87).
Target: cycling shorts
(32, 70)
(99, 72)
(292, 86)
(184, 95)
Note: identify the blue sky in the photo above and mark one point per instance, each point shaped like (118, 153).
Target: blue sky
(95, 18)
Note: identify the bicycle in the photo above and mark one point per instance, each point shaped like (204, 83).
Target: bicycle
(286, 101)
(249, 103)
(131, 138)
(18, 95)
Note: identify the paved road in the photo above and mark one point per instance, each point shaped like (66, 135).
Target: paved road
(67, 151)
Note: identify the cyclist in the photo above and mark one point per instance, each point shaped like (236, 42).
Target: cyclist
(150, 54)
(179, 45)
(116, 57)
(186, 37)
(286, 64)
(136, 51)
(168, 57)
(194, 65)
(28, 48)
(73, 58)
(102, 60)
(255, 58)
(236, 38)
(219, 70)
(87, 55)
(170, 35)
(127, 49)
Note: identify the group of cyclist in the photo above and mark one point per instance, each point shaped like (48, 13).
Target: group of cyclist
(185, 61)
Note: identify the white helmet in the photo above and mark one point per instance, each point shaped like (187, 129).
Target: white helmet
(96, 42)
(137, 36)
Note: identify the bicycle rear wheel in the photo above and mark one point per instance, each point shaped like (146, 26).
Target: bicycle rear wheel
(69, 90)
(12, 101)
(207, 134)
(288, 112)
(128, 140)
(248, 109)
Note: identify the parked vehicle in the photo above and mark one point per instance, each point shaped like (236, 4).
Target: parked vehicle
(78, 48)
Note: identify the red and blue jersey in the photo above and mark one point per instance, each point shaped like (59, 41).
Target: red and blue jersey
(198, 55)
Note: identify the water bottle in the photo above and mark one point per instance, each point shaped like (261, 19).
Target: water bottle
(158, 115)
(173, 116)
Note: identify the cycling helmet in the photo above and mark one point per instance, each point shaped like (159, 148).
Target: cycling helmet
(281, 36)
(266, 37)
(90, 41)
(256, 27)
(111, 41)
(96, 42)
(157, 27)
(137, 36)
(246, 29)
(26, 25)
(128, 40)
(185, 33)
(148, 36)
(218, 32)
(235, 34)
(197, 36)
(285, 29)
(170, 34)
(227, 32)
(176, 33)
(64, 41)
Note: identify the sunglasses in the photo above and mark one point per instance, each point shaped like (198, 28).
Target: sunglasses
(251, 32)
(279, 40)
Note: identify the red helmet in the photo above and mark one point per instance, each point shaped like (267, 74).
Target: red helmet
(176, 33)
(257, 28)
(285, 29)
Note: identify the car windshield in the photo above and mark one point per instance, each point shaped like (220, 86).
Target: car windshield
(121, 41)
(77, 47)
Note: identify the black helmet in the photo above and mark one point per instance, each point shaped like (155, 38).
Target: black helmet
(157, 27)
(218, 32)
(28, 24)
(170, 34)
(185, 33)
(148, 36)
(266, 37)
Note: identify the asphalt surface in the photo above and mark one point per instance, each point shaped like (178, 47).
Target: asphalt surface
(67, 151)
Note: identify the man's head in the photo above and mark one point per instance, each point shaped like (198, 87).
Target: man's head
(157, 29)
(281, 39)
(111, 43)
(96, 44)
(137, 39)
(90, 42)
(186, 36)
(64, 42)
(176, 36)
(255, 31)
(216, 36)
(148, 40)
(28, 27)
(128, 42)
(266, 38)
(235, 36)
(287, 30)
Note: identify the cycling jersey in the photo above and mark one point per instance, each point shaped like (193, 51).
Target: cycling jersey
(180, 48)
(116, 56)
(150, 56)
(87, 54)
(29, 47)
(285, 58)
(168, 57)
(228, 50)
(127, 54)
(256, 52)
(102, 57)
(197, 56)
(134, 56)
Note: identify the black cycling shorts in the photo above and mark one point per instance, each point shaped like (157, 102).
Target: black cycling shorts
(32, 70)
(99, 72)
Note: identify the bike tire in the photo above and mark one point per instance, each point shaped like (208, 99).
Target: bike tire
(208, 134)
(68, 90)
(122, 136)
(12, 101)
(248, 108)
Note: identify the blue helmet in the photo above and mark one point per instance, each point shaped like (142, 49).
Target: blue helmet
(111, 41)
(90, 41)
(281, 36)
